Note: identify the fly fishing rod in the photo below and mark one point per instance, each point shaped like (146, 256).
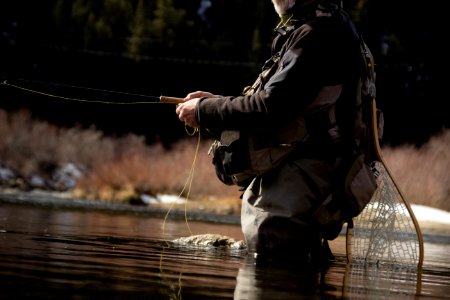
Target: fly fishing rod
(152, 99)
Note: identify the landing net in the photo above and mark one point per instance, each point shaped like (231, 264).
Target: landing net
(386, 231)
(386, 245)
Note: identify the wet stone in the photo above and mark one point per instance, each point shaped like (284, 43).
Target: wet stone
(209, 240)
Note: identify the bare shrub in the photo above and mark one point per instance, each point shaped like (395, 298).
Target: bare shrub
(28, 145)
(153, 169)
(423, 173)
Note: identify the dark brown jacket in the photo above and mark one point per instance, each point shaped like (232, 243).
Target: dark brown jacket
(315, 52)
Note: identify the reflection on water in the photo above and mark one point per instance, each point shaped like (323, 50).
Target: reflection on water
(374, 282)
(50, 253)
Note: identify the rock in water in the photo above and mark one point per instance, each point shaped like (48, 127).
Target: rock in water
(209, 240)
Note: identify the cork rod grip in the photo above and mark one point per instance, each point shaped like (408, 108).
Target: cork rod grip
(173, 100)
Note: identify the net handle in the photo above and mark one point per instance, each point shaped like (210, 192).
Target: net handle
(348, 240)
(379, 157)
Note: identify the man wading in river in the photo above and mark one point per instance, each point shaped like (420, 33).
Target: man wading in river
(290, 120)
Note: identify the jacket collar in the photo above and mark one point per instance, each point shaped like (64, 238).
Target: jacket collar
(296, 16)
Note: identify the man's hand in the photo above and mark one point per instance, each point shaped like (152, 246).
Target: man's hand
(186, 110)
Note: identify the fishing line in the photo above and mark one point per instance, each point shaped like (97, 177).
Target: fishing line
(187, 184)
(169, 277)
(161, 99)
(34, 91)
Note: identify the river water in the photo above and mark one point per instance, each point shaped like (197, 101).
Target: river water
(55, 253)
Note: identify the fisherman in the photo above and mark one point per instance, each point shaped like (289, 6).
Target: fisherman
(299, 94)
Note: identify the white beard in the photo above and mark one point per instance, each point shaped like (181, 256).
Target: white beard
(282, 6)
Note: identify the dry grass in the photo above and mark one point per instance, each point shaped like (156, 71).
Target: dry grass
(32, 147)
(120, 169)
(423, 173)
(152, 169)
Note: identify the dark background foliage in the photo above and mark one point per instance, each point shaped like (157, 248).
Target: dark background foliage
(172, 47)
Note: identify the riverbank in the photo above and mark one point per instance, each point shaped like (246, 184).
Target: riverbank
(432, 221)
(193, 210)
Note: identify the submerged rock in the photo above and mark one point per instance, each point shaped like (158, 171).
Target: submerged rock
(210, 240)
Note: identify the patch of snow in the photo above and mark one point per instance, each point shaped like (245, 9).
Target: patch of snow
(170, 199)
(37, 181)
(162, 198)
(65, 177)
(426, 213)
(6, 173)
(147, 199)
